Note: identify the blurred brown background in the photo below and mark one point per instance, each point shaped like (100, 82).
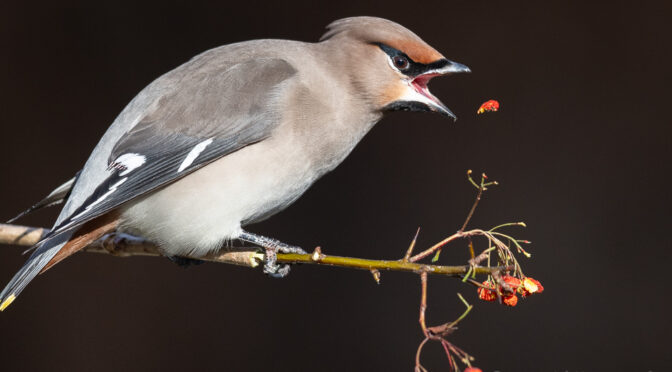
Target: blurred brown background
(581, 147)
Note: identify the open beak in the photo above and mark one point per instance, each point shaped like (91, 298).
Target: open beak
(419, 84)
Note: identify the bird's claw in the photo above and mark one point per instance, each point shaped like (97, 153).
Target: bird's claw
(271, 247)
(271, 266)
(291, 249)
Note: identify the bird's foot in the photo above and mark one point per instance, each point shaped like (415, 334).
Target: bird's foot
(271, 248)
(271, 266)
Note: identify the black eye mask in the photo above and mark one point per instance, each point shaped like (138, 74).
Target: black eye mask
(414, 68)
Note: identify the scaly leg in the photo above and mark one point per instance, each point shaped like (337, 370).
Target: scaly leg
(272, 247)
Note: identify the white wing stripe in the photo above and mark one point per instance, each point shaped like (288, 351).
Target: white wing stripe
(109, 192)
(129, 162)
(193, 154)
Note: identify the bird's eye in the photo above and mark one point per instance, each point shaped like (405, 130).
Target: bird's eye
(400, 62)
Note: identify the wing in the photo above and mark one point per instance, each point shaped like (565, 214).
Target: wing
(217, 109)
(212, 115)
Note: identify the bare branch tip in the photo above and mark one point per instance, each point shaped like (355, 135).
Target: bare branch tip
(317, 255)
(376, 275)
(409, 252)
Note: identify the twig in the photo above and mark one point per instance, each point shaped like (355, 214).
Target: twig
(20, 235)
(411, 246)
(438, 333)
(423, 303)
(122, 245)
(421, 320)
(437, 246)
(460, 233)
(482, 187)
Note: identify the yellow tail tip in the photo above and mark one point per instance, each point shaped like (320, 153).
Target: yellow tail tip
(7, 302)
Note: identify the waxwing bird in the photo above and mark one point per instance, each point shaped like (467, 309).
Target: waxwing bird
(234, 136)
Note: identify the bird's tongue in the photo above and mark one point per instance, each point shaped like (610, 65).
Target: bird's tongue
(420, 85)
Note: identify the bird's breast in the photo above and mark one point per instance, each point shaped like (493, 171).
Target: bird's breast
(196, 214)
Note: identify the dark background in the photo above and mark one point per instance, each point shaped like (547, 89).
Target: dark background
(581, 147)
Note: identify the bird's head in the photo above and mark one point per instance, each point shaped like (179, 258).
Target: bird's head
(390, 65)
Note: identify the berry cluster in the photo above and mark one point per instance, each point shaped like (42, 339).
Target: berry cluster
(491, 290)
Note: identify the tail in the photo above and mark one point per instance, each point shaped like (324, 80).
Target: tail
(54, 249)
(37, 261)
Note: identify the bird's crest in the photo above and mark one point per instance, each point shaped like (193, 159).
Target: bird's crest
(379, 30)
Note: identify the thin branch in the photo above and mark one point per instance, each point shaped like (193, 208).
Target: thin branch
(122, 245)
(482, 187)
(438, 333)
(423, 303)
(418, 366)
(436, 246)
(421, 320)
(473, 207)
(21, 235)
(409, 252)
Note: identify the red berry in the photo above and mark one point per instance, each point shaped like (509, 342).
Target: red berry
(488, 293)
(510, 300)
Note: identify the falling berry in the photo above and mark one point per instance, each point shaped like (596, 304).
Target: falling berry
(488, 106)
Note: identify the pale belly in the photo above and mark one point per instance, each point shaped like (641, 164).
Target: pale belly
(201, 212)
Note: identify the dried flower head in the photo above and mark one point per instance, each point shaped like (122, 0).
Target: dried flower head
(486, 294)
(511, 300)
(531, 285)
(512, 281)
